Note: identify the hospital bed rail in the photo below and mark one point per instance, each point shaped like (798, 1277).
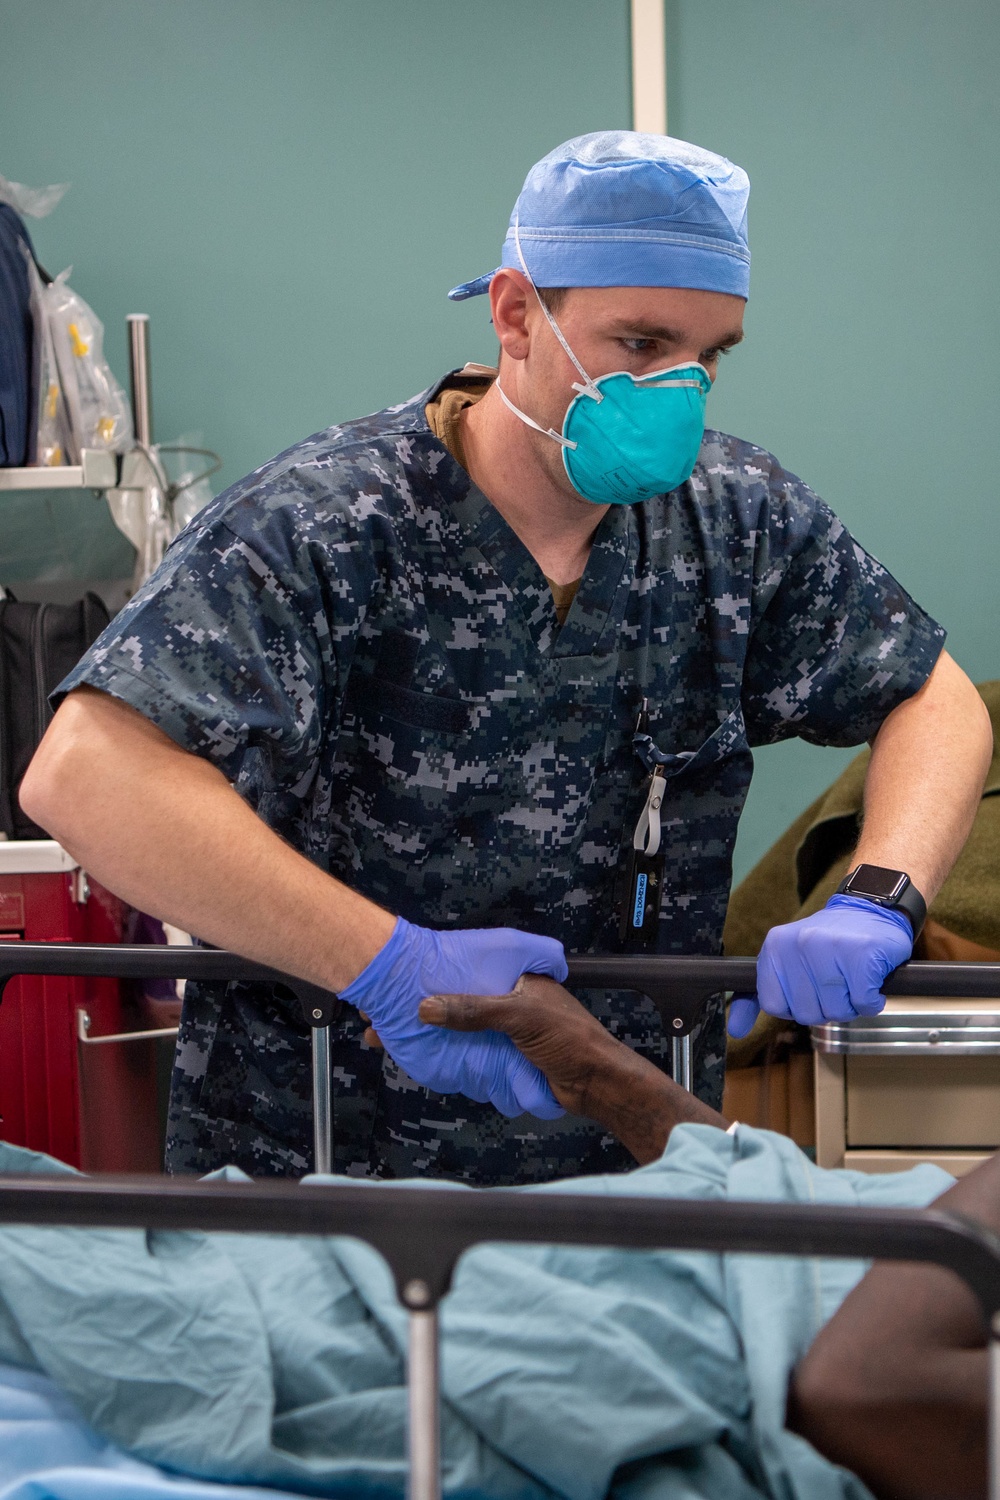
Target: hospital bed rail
(679, 987)
(422, 1233)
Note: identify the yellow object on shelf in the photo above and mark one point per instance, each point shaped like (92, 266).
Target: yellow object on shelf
(81, 346)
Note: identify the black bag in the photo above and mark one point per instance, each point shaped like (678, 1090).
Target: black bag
(18, 421)
(39, 645)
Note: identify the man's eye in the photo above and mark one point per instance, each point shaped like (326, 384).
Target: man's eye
(713, 354)
(637, 346)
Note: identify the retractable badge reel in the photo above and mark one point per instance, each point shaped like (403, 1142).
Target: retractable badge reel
(642, 903)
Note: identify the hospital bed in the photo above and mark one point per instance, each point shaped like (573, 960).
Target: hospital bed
(422, 1233)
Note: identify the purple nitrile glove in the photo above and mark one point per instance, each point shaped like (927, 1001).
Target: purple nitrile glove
(827, 967)
(484, 1065)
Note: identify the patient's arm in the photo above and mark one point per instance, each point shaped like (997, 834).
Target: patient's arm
(589, 1071)
(895, 1386)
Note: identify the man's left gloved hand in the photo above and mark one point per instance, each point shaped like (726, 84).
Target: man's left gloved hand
(417, 962)
(827, 967)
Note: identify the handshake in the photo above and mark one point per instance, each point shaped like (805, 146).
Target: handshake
(829, 966)
(486, 1066)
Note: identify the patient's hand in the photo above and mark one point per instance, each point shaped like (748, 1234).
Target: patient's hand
(588, 1070)
(547, 1024)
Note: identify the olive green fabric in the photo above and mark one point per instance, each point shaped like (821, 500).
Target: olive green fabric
(800, 873)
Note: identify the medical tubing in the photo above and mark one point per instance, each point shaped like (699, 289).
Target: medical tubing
(171, 490)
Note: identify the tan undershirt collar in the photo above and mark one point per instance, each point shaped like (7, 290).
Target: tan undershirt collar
(444, 417)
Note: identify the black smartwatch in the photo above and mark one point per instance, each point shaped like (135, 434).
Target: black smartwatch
(891, 888)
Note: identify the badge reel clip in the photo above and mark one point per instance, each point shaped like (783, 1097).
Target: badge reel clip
(641, 912)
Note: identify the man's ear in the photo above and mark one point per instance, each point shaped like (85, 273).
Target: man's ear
(511, 303)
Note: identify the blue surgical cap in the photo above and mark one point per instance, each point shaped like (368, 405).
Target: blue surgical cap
(616, 208)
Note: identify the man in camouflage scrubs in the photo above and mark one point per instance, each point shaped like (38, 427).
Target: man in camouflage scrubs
(403, 680)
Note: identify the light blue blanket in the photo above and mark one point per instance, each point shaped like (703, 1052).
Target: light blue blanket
(47, 1452)
(279, 1362)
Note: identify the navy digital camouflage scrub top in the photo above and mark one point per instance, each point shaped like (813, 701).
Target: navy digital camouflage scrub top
(357, 639)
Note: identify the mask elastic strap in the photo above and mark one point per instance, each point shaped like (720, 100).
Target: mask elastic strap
(545, 431)
(588, 388)
(655, 379)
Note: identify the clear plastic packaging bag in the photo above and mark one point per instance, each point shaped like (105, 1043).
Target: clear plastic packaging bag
(29, 202)
(54, 440)
(97, 408)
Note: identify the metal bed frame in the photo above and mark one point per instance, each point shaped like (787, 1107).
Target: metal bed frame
(422, 1234)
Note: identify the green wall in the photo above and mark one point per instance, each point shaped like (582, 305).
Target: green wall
(871, 132)
(289, 187)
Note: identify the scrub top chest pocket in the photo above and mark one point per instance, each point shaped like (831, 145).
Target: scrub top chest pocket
(472, 807)
(406, 747)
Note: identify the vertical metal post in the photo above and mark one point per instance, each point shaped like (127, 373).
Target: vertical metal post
(423, 1397)
(994, 1416)
(322, 1100)
(649, 67)
(138, 364)
(680, 1060)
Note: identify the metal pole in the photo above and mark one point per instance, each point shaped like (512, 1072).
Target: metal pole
(138, 364)
(423, 1399)
(649, 67)
(322, 1101)
(994, 1416)
(680, 1060)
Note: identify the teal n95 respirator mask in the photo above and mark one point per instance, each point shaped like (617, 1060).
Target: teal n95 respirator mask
(625, 437)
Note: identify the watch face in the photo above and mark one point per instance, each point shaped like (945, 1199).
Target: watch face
(881, 885)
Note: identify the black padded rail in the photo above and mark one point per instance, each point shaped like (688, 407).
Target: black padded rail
(678, 987)
(156, 961)
(422, 1232)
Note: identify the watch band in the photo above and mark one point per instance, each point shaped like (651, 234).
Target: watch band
(892, 889)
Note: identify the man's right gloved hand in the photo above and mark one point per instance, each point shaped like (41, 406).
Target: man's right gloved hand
(485, 1066)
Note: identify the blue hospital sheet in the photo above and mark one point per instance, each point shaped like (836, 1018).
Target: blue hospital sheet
(575, 1373)
(47, 1452)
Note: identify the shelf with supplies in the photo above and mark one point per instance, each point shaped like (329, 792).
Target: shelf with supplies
(99, 471)
(100, 468)
(150, 499)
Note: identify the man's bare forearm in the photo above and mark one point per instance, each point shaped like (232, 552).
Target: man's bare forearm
(925, 780)
(164, 830)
